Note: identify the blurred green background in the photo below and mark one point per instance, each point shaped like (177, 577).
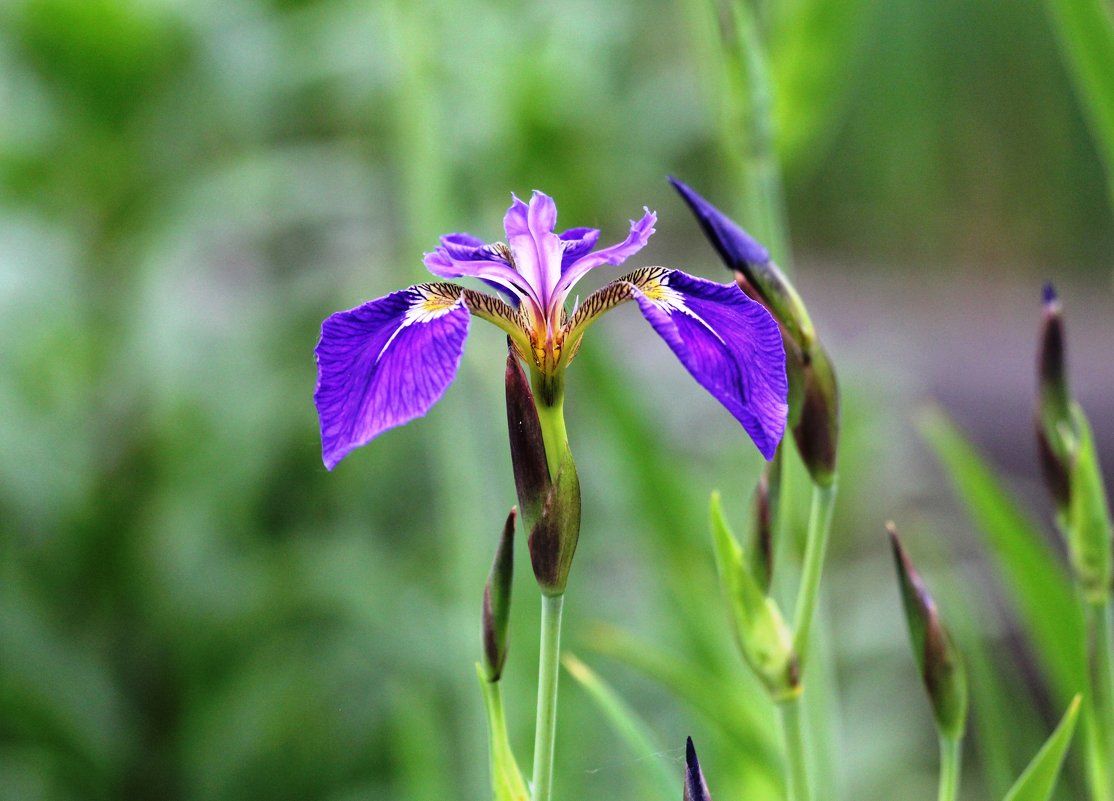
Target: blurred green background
(191, 607)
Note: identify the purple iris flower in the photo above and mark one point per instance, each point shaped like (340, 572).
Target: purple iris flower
(388, 361)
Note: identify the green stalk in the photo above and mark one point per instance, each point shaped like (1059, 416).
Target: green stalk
(950, 757)
(796, 765)
(1100, 701)
(749, 129)
(549, 665)
(819, 527)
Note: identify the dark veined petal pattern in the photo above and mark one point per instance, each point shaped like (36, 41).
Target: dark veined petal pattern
(728, 342)
(386, 362)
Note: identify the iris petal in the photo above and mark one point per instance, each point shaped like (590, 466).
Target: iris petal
(640, 233)
(386, 362)
(577, 242)
(729, 343)
(734, 245)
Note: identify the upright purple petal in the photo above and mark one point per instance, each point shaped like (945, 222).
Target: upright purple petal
(640, 233)
(386, 362)
(734, 245)
(537, 250)
(577, 242)
(729, 343)
(696, 789)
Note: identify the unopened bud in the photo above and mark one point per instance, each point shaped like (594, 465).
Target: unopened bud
(817, 429)
(760, 630)
(761, 545)
(696, 789)
(743, 255)
(550, 505)
(531, 471)
(1055, 425)
(937, 657)
(554, 536)
(497, 603)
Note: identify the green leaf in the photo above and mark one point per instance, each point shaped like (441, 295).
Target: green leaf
(1039, 778)
(507, 783)
(627, 724)
(1031, 570)
(1085, 30)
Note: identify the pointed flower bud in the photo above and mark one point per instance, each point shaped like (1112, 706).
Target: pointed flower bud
(497, 603)
(696, 789)
(531, 473)
(554, 536)
(760, 630)
(817, 429)
(550, 505)
(761, 545)
(937, 657)
(1055, 426)
(1070, 464)
(813, 389)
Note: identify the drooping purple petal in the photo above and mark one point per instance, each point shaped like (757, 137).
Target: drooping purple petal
(386, 362)
(640, 233)
(577, 242)
(729, 343)
(735, 246)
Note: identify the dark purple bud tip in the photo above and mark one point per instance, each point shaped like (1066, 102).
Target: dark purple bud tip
(937, 657)
(1048, 294)
(695, 787)
(497, 602)
(735, 246)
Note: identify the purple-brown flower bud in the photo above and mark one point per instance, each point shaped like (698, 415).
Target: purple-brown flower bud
(696, 789)
(497, 602)
(816, 430)
(554, 536)
(531, 471)
(1055, 426)
(937, 657)
(761, 550)
(550, 505)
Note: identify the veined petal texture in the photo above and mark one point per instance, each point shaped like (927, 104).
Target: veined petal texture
(386, 362)
(729, 343)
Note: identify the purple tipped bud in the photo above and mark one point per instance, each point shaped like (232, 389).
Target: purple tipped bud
(531, 471)
(696, 789)
(1055, 425)
(937, 657)
(497, 603)
(554, 536)
(744, 256)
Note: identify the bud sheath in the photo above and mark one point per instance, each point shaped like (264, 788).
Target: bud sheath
(497, 603)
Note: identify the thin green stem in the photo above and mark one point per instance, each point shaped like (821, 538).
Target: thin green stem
(796, 765)
(950, 758)
(819, 526)
(549, 666)
(1100, 712)
(505, 777)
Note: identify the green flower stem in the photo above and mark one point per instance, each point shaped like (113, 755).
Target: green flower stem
(796, 765)
(549, 399)
(549, 665)
(819, 526)
(950, 756)
(1100, 640)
